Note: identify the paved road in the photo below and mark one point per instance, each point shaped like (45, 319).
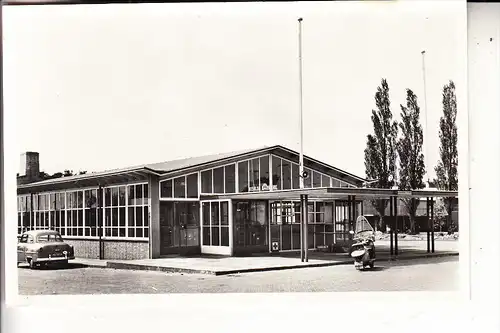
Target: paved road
(438, 274)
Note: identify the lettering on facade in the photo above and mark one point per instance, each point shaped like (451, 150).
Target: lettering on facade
(263, 187)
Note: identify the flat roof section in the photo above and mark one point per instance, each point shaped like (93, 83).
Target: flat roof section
(326, 193)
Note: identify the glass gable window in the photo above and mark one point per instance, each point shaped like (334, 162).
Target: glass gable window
(230, 178)
(218, 175)
(206, 181)
(287, 174)
(243, 176)
(192, 186)
(276, 165)
(316, 179)
(264, 173)
(180, 187)
(253, 174)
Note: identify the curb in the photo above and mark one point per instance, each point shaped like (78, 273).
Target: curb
(130, 266)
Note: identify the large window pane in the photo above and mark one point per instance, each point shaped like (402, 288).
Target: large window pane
(206, 213)
(192, 186)
(121, 195)
(254, 174)
(243, 176)
(166, 189)
(336, 183)
(145, 194)
(180, 187)
(316, 178)
(206, 181)
(287, 175)
(308, 180)
(325, 181)
(224, 214)
(114, 196)
(219, 180)
(264, 173)
(138, 194)
(276, 172)
(295, 176)
(138, 217)
(230, 178)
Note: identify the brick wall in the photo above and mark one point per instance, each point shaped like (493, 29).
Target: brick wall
(89, 248)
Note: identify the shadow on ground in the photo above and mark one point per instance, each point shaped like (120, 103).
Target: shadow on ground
(55, 267)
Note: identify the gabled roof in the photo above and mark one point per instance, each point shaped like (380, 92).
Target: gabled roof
(179, 165)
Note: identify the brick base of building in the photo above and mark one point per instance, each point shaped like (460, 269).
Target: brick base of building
(112, 249)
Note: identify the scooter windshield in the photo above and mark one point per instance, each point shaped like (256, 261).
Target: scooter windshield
(363, 227)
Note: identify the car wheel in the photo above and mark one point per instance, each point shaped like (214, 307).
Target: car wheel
(31, 263)
(371, 265)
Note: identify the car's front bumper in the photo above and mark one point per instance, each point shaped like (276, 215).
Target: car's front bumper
(54, 259)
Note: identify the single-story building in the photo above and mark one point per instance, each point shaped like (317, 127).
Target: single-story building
(228, 204)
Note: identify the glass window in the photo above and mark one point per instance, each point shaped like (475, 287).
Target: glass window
(224, 213)
(287, 175)
(121, 195)
(218, 180)
(166, 189)
(230, 178)
(276, 173)
(192, 186)
(325, 181)
(335, 182)
(206, 181)
(254, 174)
(114, 196)
(243, 176)
(206, 223)
(264, 173)
(308, 180)
(52, 201)
(180, 187)
(295, 176)
(138, 194)
(316, 178)
(145, 194)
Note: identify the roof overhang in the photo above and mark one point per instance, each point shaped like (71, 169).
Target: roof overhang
(88, 180)
(332, 193)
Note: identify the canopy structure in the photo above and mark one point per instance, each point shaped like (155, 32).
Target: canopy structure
(351, 195)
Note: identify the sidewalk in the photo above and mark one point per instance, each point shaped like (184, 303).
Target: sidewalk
(218, 265)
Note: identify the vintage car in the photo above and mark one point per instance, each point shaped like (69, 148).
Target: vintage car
(41, 247)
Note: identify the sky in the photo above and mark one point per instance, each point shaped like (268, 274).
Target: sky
(97, 87)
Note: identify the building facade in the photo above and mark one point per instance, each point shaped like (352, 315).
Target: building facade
(175, 207)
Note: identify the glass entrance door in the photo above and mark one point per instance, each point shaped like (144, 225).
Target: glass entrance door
(285, 226)
(216, 227)
(179, 226)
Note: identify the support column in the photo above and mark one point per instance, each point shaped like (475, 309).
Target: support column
(306, 227)
(391, 232)
(432, 224)
(396, 252)
(99, 221)
(154, 216)
(349, 214)
(428, 226)
(302, 220)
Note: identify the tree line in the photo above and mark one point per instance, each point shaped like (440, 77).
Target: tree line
(394, 156)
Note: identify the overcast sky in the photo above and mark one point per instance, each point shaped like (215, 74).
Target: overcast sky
(109, 86)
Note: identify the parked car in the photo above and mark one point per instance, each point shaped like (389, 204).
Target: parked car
(40, 247)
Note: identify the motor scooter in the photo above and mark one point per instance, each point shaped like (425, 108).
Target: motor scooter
(363, 248)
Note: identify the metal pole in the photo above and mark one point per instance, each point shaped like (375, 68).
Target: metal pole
(301, 161)
(396, 226)
(428, 232)
(306, 232)
(426, 157)
(100, 220)
(432, 223)
(391, 212)
(302, 210)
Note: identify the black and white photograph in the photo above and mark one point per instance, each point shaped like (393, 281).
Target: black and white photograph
(237, 148)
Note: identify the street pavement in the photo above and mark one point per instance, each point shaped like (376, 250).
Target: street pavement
(430, 274)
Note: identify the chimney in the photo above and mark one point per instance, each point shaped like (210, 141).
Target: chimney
(30, 165)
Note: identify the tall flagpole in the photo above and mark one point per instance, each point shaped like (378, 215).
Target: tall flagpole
(301, 161)
(426, 152)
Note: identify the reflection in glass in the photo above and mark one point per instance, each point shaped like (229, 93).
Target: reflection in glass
(264, 173)
(219, 180)
(192, 186)
(287, 175)
(243, 176)
(230, 178)
(308, 180)
(166, 189)
(206, 181)
(276, 166)
(180, 187)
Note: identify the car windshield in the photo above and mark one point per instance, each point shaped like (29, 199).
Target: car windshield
(49, 238)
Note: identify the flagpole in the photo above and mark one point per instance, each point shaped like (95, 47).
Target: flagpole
(301, 161)
(426, 157)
